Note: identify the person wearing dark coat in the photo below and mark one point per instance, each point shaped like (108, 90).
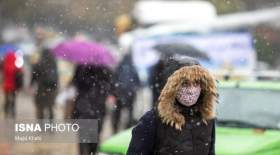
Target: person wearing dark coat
(183, 123)
(163, 69)
(45, 75)
(126, 84)
(93, 84)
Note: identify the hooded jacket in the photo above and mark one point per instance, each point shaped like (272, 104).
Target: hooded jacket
(172, 128)
(163, 69)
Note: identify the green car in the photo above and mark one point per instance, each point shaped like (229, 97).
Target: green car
(248, 121)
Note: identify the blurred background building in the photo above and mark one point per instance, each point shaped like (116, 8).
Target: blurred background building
(97, 18)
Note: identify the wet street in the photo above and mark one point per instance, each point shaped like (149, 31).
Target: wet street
(26, 110)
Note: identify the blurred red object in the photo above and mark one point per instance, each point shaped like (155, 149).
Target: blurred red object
(9, 72)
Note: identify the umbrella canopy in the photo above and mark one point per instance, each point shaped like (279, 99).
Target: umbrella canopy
(172, 49)
(84, 52)
(7, 48)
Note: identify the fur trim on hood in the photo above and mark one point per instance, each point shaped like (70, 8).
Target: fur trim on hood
(168, 112)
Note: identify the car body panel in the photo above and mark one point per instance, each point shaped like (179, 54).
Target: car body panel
(229, 141)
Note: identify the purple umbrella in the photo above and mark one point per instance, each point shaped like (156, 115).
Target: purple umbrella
(84, 52)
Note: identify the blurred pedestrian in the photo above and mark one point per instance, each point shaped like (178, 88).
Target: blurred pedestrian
(183, 121)
(45, 75)
(93, 84)
(126, 83)
(13, 80)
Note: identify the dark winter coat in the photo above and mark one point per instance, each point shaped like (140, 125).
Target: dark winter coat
(173, 129)
(125, 79)
(93, 85)
(45, 74)
(159, 138)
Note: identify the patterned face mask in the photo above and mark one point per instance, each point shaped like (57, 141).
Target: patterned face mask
(188, 95)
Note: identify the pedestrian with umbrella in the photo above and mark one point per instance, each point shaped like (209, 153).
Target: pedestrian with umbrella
(92, 80)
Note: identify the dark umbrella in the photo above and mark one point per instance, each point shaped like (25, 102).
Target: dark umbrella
(173, 49)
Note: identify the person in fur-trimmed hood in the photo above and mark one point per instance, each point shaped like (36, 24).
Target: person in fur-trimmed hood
(183, 123)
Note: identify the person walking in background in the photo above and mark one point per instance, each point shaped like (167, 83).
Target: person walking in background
(12, 81)
(126, 82)
(183, 122)
(93, 85)
(45, 75)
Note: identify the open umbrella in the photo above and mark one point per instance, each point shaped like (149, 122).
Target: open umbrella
(171, 49)
(84, 52)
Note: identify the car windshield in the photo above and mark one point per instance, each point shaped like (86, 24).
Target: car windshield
(249, 108)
